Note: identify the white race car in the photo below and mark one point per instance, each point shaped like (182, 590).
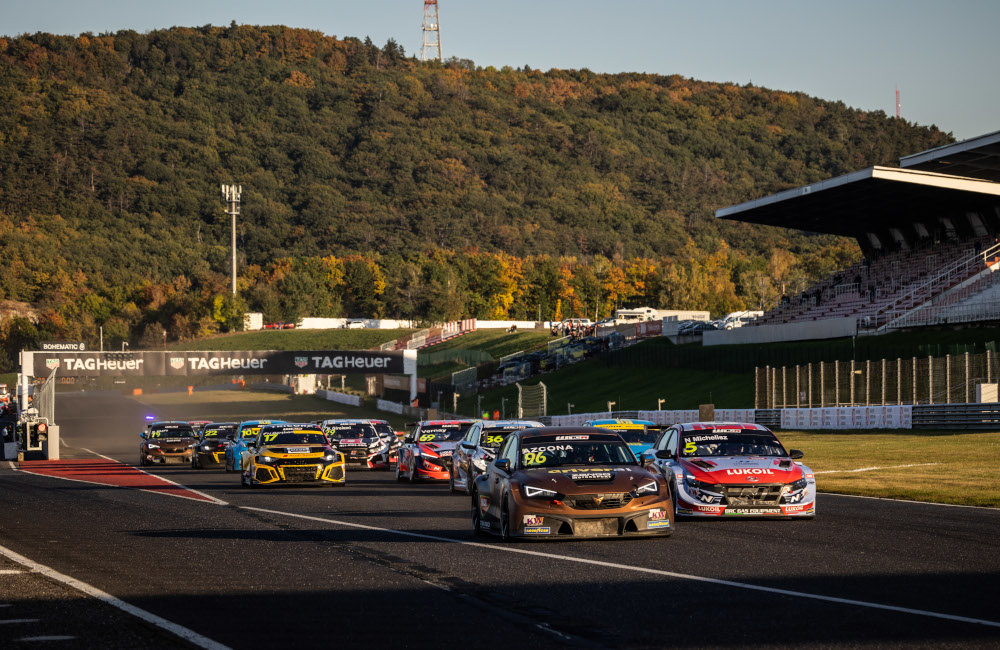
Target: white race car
(727, 468)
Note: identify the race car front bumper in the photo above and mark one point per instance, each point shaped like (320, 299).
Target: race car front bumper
(646, 523)
(688, 507)
(171, 458)
(208, 458)
(304, 472)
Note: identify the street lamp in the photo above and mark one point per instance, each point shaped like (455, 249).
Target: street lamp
(659, 404)
(610, 404)
(569, 408)
(164, 339)
(124, 345)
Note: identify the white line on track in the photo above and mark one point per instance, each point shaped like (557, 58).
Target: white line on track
(188, 635)
(8, 621)
(639, 569)
(10, 572)
(47, 638)
(872, 469)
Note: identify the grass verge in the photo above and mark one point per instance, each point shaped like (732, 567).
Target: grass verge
(946, 467)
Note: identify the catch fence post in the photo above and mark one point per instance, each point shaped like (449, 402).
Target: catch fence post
(767, 387)
(809, 369)
(798, 390)
(967, 400)
(899, 380)
(852, 382)
(913, 376)
(784, 386)
(822, 385)
(883, 382)
(930, 380)
(756, 387)
(836, 383)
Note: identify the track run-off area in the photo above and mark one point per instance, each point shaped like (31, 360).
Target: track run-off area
(95, 553)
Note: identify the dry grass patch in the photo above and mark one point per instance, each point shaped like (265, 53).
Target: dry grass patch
(965, 469)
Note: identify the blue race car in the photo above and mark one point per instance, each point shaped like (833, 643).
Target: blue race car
(246, 434)
(639, 434)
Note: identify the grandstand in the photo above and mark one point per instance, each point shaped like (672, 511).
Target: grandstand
(929, 232)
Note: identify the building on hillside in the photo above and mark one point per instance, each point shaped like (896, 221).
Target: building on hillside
(929, 232)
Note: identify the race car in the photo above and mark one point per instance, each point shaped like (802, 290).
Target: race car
(732, 468)
(479, 448)
(246, 433)
(639, 434)
(210, 450)
(291, 453)
(392, 438)
(427, 449)
(166, 442)
(570, 482)
(359, 442)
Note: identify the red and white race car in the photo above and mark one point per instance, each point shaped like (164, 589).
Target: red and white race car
(729, 468)
(427, 449)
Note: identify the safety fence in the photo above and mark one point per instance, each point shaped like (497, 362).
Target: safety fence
(340, 398)
(951, 379)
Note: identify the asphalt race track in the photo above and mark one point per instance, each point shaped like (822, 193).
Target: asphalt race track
(378, 563)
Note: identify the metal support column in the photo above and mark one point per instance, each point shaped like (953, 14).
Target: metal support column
(852, 382)
(899, 380)
(967, 378)
(947, 379)
(930, 380)
(809, 369)
(822, 385)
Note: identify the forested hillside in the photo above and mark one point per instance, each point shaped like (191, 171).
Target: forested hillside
(375, 184)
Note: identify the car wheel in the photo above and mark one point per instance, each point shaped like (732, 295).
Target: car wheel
(451, 481)
(243, 481)
(411, 475)
(477, 529)
(142, 460)
(399, 476)
(505, 521)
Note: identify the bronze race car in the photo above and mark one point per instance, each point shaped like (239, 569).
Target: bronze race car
(167, 442)
(570, 482)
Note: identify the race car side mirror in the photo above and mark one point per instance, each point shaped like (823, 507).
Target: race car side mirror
(647, 461)
(503, 465)
(468, 445)
(142, 434)
(795, 454)
(664, 454)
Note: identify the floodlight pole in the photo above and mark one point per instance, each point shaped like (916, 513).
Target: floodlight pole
(232, 195)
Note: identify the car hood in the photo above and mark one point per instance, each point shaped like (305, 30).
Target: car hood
(743, 469)
(584, 480)
(293, 451)
(436, 448)
(172, 441)
(353, 442)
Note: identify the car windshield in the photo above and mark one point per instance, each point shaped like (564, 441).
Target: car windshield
(443, 432)
(384, 429)
(172, 431)
(494, 436)
(302, 437)
(730, 442)
(349, 430)
(218, 432)
(635, 433)
(553, 452)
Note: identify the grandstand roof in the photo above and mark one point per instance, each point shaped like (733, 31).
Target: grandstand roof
(973, 158)
(871, 199)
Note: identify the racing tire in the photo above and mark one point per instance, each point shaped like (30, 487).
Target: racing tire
(243, 481)
(477, 530)
(411, 475)
(399, 477)
(451, 481)
(505, 521)
(142, 461)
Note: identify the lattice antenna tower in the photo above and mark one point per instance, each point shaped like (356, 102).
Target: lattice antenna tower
(431, 32)
(898, 105)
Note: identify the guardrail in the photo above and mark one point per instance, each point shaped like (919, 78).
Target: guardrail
(973, 417)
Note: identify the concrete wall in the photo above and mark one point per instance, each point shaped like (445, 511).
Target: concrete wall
(832, 328)
(340, 398)
(337, 323)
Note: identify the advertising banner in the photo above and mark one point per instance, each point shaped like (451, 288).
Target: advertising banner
(191, 364)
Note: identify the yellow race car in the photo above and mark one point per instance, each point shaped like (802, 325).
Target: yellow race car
(291, 453)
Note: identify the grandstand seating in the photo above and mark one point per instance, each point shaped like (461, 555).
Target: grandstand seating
(889, 289)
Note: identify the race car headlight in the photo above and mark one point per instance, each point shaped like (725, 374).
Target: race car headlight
(331, 456)
(539, 493)
(265, 459)
(705, 492)
(798, 485)
(152, 446)
(648, 488)
(479, 463)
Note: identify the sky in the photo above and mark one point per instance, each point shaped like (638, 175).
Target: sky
(944, 56)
